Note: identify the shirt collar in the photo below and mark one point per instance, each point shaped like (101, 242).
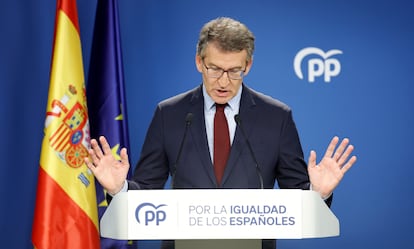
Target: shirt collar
(233, 103)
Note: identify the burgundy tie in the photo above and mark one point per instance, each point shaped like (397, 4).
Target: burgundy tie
(221, 142)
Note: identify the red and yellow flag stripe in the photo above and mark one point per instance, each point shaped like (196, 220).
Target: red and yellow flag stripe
(66, 212)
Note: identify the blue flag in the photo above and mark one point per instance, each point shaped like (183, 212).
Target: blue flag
(106, 95)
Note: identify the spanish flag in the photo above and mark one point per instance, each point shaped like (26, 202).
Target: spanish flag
(65, 212)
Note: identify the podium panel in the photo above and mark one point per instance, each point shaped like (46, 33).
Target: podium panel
(222, 214)
(219, 244)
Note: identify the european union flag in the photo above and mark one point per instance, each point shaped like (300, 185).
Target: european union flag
(106, 95)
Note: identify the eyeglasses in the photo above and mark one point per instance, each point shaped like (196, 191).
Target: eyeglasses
(216, 72)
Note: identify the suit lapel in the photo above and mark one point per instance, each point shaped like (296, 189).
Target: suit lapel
(247, 113)
(198, 132)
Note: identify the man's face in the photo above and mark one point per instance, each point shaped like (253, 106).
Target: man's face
(223, 88)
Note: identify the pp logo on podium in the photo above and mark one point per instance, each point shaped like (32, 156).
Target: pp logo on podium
(149, 213)
(322, 65)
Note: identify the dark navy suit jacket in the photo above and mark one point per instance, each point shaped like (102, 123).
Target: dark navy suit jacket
(267, 123)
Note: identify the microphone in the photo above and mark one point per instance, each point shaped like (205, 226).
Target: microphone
(258, 171)
(188, 119)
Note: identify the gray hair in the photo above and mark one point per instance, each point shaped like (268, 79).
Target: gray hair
(228, 35)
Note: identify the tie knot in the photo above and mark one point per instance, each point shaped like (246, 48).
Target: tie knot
(220, 107)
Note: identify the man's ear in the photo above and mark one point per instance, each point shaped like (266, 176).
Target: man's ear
(199, 63)
(248, 66)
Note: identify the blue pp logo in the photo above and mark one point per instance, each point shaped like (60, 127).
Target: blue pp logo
(150, 214)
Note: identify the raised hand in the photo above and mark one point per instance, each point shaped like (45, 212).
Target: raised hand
(326, 175)
(110, 172)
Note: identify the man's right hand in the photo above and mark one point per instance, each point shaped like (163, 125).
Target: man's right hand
(110, 172)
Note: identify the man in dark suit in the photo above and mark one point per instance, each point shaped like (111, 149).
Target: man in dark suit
(260, 134)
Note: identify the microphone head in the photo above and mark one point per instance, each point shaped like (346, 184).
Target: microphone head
(189, 118)
(237, 119)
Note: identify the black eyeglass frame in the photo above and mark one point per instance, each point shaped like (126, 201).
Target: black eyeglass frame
(239, 72)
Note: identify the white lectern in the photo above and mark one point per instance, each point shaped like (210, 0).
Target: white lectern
(222, 218)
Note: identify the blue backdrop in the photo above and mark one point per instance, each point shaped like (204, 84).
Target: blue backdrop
(369, 97)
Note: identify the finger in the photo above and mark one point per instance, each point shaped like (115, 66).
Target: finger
(346, 155)
(124, 156)
(89, 164)
(105, 145)
(312, 159)
(331, 147)
(340, 149)
(94, 159)
(349, 164)
(96, 150)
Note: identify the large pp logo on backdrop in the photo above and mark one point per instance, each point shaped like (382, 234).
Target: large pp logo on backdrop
(319, 64)
(148, 213)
